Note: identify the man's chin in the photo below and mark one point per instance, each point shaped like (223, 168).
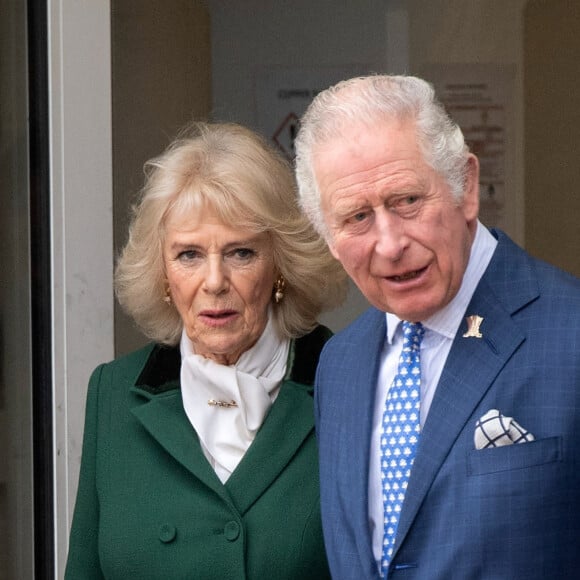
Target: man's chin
(410, 311)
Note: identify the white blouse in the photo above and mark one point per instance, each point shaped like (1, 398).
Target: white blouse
(228, 404)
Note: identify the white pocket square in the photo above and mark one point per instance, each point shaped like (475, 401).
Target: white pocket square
(496, 430)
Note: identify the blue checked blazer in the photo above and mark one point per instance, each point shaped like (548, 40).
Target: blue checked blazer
(504, 514)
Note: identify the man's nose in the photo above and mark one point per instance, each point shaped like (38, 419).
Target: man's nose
(390, 235)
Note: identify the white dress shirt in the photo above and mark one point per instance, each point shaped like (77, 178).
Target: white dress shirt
(440, 330)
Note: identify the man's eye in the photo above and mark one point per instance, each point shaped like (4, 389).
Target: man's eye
(407, 206)
(358, 217)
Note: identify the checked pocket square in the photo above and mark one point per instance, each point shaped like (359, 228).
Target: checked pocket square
(496, 430)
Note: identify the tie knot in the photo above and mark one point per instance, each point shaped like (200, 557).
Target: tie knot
(412, 334)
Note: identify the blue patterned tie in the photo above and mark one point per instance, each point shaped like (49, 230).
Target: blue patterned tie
(400, 434)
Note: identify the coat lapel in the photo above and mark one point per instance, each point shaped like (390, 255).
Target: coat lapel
(164, 418)
(160, 410)
(161, 413)
(292, 414)
(471, 367)
(288, 424)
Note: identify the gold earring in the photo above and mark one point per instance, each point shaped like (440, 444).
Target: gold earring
(167, 297)
(279, 286)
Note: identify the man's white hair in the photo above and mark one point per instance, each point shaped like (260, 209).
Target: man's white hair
(370, 100)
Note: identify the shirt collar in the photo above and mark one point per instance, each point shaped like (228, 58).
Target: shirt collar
(447, 320)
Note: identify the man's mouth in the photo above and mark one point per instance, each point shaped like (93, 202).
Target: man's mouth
(407, 275)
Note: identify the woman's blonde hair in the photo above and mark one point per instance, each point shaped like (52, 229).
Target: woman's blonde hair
(233, 171)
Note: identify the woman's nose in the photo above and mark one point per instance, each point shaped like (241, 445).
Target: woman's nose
(216, 278)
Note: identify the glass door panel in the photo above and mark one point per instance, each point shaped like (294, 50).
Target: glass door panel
(16, 487)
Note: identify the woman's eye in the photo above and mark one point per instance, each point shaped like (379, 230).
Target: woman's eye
(243, 253)
(188, 255)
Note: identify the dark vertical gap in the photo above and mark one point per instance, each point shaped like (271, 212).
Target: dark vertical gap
(40, 287)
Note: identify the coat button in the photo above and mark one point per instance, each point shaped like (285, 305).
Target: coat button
(232, 531)
(167, 533)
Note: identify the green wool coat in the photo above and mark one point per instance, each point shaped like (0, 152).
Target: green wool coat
(149, 505)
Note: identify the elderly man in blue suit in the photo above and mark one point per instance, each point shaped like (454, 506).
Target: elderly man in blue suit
(448, 414)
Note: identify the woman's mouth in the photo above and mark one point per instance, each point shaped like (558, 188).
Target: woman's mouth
(218, 313)
(217, 316)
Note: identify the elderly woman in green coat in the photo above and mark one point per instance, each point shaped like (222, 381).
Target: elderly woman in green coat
(199, 456)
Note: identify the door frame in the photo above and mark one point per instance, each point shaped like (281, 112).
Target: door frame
(81, 223)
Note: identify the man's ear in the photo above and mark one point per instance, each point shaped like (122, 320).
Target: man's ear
(471, 191)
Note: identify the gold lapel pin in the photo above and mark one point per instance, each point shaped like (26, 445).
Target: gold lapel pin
(473, 324)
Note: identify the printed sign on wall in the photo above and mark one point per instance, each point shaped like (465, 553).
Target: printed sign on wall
(479, 99)
(282, 95)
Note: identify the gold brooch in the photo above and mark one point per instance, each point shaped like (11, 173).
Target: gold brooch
(473, 324)
(225, 404)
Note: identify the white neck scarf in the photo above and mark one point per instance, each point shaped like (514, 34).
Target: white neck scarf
(253, 383)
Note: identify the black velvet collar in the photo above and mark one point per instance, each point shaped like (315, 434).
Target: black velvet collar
(161, 371)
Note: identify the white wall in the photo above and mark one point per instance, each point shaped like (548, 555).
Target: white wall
(82, 243)
(251, 36)
(471, 33)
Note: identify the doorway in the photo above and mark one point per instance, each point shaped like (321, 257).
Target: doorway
(26, 488)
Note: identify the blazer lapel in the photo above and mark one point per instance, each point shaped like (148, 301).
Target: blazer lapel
(471, 367)
(360, 388)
